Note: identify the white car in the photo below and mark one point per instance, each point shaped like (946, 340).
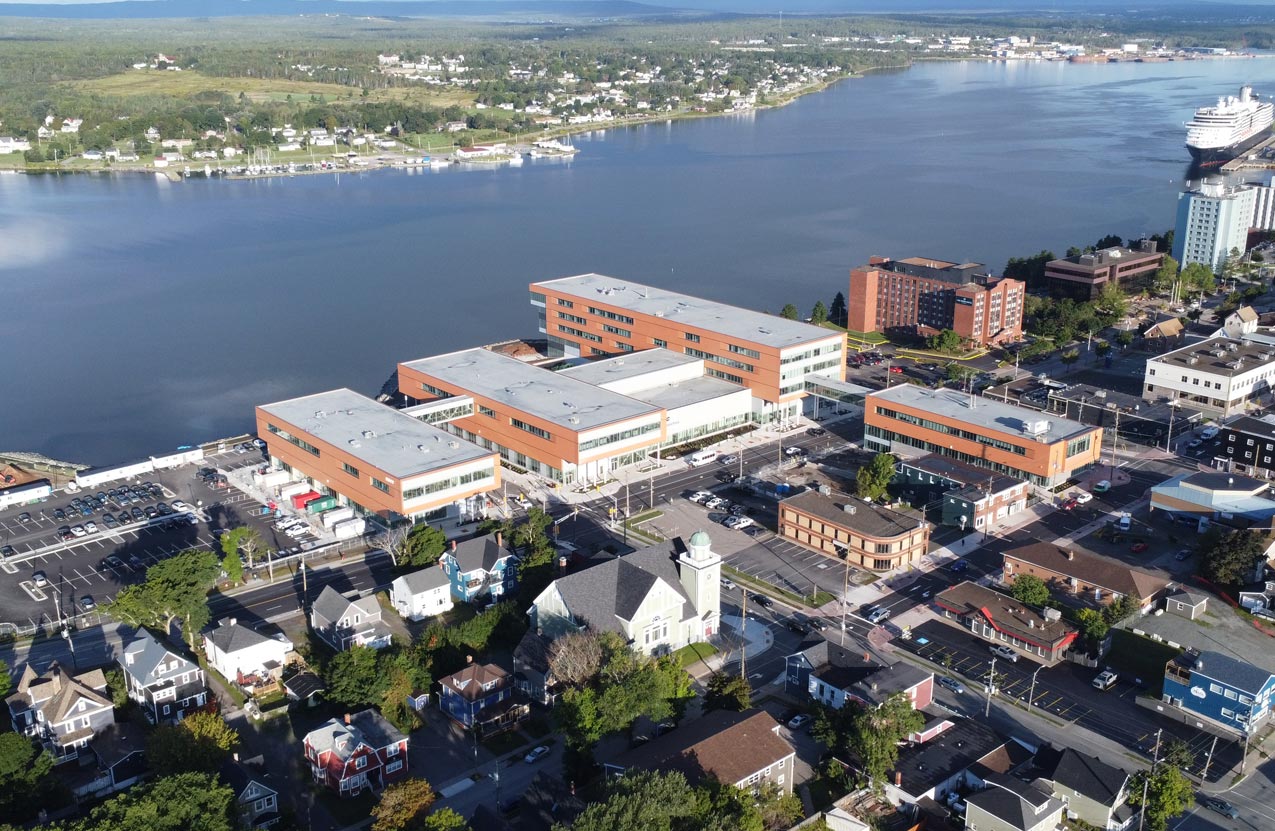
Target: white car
(78, 530)
(700, 497)
(90, 527)
(179, 506)
(879, 616)
(1083, 497)
(739, 523)
(1005, 652)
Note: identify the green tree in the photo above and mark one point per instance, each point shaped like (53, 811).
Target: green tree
(874, 478)
(643, 801)
(1124, 337)
(6, 682)
(1230, 557)
(402, 806)
(184, 802)
(424, 545)
(445, 819)
(1166, 275)
(723, 807)
(23, 767)
(837, 312)
(175, 589)
(1119, 609)
(875, 733)
(1030, 270)
(1169, 792)
(354, 678)
(789, 311)
(117, 687)
(1103, 348)
(819, 314)
(778, 810)
(1029, 589)
(726, 691)
(1092, 625)
(947, 342)
(1198, 277)
(1070, 356)
(1112, 301)
(233, 566)
(960, 372)
(198, 743)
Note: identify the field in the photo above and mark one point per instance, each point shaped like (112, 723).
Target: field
(188, 84)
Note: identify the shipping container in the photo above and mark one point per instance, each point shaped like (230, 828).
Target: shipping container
(336, 515)
(323, 503)
(349, 528)
(289, 491)
(300, 500)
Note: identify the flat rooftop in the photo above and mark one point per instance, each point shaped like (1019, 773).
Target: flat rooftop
(381, 436)
(1220, 356)
(690, 312)
(555, 397)
(670, 395)
(986, 413)
(629, 365)
(866, 518)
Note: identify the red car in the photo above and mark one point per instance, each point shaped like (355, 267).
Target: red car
(1138, 547)
(897, 369)
(1068, 504)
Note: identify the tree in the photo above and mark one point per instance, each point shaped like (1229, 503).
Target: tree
(1122, 607)
(23, 767)
(402, 806)
(874, 478)
(1198, 277)
(819, 314)
(393, 541)
(175, 589)
(778, 809)
(117, 687)
(1103, 348)
(353, 677)
(1124, 337)
(424, 545)
(445, 819)
(6, 683)
(1029, 589)
(837, 312)
(947, 342)
(726, 691)
(789, 311)
(1070, 356)
(1166, 275)
(1230, 557)
(1169, 793)
(233, 566)
(960, 372)
(642, 801)
(1109, 241)
(576, 658)
(1031, 270)
(875, 733)
(198, 743)
(1112, 301)
(184, 802)
(1092, 625)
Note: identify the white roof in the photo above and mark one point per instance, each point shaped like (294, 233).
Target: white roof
(992, 415)
(542, 393)
(683, 310)
(381, 436)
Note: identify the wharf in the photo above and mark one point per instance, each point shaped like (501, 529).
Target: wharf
(1259, 157)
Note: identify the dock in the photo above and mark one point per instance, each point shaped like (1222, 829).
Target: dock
(1259, 157)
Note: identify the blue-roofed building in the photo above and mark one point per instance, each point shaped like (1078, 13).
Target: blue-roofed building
(480, 566)
(1204, 498)
(1229, 693)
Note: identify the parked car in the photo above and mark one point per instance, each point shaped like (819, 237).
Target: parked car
(879, 616)
(1138, 547)
(1125, 522)
(1102, 487)
(959, 567)
(1004, 652)
(87, 603)
(798, 626)
(816, 431)
(78, 531)
(798, 721)
(729, 584)
(1182, 554)
(952, 684)
(90, 527)
(896, 370)
(24, 517)
(728, 459)
(1221, 806)
(39, 579)
(1105, 680)
(1083, 497)
(817, 624)
(1068, 504)
(7, 551)
(762, 600)
(113, 562)
(536, 754)
(794, 451)
(700, 497)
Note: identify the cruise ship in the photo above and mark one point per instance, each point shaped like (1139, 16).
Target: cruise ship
(1223, 132)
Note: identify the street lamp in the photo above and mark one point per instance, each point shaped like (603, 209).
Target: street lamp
(1173, 411)
(1031, 696)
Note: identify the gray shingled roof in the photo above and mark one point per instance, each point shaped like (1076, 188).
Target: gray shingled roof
(1085, 775)
(611, 591)
(1239, 674)
(426, 579)
(147, 654)
(331, 605)
(1015, 809)
(479, 553)
(366, 727)
(232, 637)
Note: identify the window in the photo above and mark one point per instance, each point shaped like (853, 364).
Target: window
(532, 429)
(435, 391)
(487, 411)
(1231, 694)
(392, 750)
(579, 333)
(566, 303)
(537, 297)
(611, 315)
(573, 318)
(288, 437)
(379, 485)
(616, 330)
(360, 763)
(350, 469)
(740, 350)
(1216, 689)
(692, 338)
(397, 764)
(446, 484)
(663, 344)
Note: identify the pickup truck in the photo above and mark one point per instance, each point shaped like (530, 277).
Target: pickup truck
(1105, 680)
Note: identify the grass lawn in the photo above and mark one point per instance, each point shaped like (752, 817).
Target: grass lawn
(503, 743)
(693, 652)
(537, 727)
(820, 597)
(1137, 657)
(873, 338)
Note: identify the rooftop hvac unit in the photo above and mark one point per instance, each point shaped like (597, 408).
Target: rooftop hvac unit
(1192, 360)
(1232, 347)
(369, 434)
(849, 509)
(1037, 428)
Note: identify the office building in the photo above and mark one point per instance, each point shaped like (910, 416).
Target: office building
(595, 315)
(545, 422)
(973, 498)
(1084, 276)
(923, 297)
(1230, 694)
(862, 533)
(1213, 219)
(993, 435)
(377, 459)
(1218, 377)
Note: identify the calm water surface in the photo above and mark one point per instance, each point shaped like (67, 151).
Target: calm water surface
(140, 315)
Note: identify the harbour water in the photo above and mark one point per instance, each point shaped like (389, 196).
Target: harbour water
(142, 314)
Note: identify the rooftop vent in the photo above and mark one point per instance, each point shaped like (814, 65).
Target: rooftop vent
(355, 443)
(369, 434)
(320, 414)
(850, 509)
(573, 419)
(422, 448)
(453, 444)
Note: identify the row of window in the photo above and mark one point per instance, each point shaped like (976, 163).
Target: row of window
(288, 437)
(583, 321)
(717, 359)
(447, 484)
(610, 315)
(908, 418)
(579, 333)
(882, 439)
(530, 428)
(623, 435)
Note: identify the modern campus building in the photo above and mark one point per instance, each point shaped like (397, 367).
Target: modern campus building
(1218, 376)
(923, 296)
(993, 435)
(1212, 220)
(863, 533)
(377, 459)
(546, 422)
(594, 315)
(1084, 276)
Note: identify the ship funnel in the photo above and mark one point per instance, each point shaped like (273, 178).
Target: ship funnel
(1246, 94)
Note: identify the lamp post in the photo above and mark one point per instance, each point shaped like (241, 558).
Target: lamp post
(989, 689)
(1173, 411)
(1031, 696)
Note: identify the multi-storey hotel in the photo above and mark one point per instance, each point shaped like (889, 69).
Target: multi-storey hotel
(377, 459)
(593, 315)
(923, 296)
(993, 435)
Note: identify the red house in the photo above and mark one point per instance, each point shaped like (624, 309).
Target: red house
(362, 752)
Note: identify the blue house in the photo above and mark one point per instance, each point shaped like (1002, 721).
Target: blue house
(480, 566)
(1230, 693)
(481, 697)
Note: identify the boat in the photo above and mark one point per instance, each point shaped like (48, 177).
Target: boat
(1224, 131)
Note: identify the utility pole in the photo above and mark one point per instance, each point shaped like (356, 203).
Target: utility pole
(845, 599)
(1031, 696)
(1115, 440)
(1205, 775)
(991, 680)
(1146, 781)
(743, 631)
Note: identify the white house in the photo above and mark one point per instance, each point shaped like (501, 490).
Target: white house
(245, 657)
(422, 594)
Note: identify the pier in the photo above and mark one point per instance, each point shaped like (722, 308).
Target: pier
(1259, 157)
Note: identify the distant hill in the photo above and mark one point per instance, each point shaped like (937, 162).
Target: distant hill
(136, 9)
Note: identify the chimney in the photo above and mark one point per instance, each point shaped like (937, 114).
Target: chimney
(469, 659)
(562, 565)
(500, 540)
(232, 621)
(453, 546)
(235, 755)
(867, 657)
(347, 718)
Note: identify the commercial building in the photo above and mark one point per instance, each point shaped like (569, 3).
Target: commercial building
(988, 434)
(1218, 376)
(592, 314)
(862, 533)
(1248, 443)
(1001, 620)
(1213, 219)
(1069, 571)
(376, 459)
(1200, 499)
(972, 498)
(1084, 276)
(921, 296)
(545, 422)
(1230, 694)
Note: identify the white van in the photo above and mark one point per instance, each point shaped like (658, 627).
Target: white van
(701, 457)
(1209, 432)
